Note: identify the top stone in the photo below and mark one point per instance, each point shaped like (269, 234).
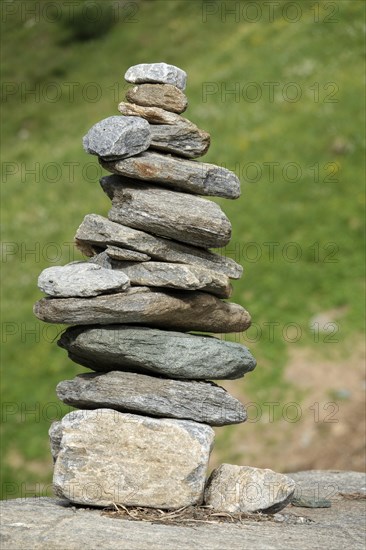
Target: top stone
(160, 73)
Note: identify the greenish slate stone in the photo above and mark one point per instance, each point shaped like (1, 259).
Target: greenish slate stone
(167, 353)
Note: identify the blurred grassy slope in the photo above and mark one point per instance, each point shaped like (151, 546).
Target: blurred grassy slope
(322, 216)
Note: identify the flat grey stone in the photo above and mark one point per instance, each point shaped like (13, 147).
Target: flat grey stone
(177, 173)
(184, 311)
(234, 489)
(137, 393)
(154, 115)
(167, 353)
(108, 457)
(97, 231)
(81, 279)
(124, 254)
(169, 275)
(39, 523)
(164, 96)
(156, 72)
(183, 139)
(180, 216)
(118, 137)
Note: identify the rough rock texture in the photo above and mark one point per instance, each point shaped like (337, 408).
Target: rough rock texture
(98, 231)
(179, 216)
(137, 393)
(233, 488)
(141, 305)
(157, 72)
(109, 457)
(169, 275)
(164, 96)
(186, 175)
(184, 139)
(81, 279)
(118, 137)
(154, 115)
(167, 353)
(54, 524)
(118, 253)
(170, 132)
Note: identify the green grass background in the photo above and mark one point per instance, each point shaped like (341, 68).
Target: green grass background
(67, 60)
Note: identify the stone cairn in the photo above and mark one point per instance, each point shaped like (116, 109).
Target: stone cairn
(143, 435)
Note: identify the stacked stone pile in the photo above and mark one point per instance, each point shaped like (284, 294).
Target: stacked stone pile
(143, 435)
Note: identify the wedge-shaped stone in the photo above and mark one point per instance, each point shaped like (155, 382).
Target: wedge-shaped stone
(164, 96)
(123, 254)
(167, 275)
(161, 73)
(171, 133)
(167, 353)
(137, 393)
(178, 216)
(186, 175)
(97, 231)
(236, 489)
(183, 139)
(104, 457)
(81, 279)
(117, 137)
(144, 306)
(154, 115)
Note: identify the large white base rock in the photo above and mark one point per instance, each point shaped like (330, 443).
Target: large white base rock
(232, 488)
(104, 457)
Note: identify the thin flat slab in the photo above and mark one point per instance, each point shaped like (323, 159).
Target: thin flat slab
(124, 254)
(118, 137)
(167, 353)
(52, 523)
(161, 73)
(82, 279)
(168, 275)
(199, 178)
(103, 457)
(180, 216)
(184, 311)
(164, 96)
(95, 230)
(137, 393)
(154, 115)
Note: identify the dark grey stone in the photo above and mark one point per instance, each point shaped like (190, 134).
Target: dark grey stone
(137, 393)
(168, 353)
